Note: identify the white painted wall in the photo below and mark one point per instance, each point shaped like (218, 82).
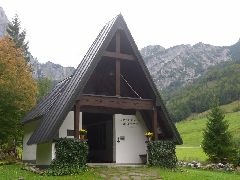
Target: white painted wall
(44, 154)
(133, 128)
(68, 123)
(29, 151)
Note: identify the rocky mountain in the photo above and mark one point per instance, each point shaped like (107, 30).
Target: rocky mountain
(3, 22)
(172, 67)
(54, 72)
(179, 65)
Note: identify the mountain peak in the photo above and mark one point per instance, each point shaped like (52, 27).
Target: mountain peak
(50, 70)
(151, 49)
(182, 64)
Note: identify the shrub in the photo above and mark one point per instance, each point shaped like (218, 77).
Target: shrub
(162, 153)
(71, 157)
(235, 157)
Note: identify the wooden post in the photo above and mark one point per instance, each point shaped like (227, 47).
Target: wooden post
(118, 67)
(118, 77)
(76, 119)
(154, 124)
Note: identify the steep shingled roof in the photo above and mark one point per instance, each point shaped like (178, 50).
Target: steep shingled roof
(47, 102)
(52, 120)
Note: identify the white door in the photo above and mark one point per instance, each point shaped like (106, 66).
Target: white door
(129, 139)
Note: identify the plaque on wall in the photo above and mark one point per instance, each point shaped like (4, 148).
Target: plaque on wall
(129, 122)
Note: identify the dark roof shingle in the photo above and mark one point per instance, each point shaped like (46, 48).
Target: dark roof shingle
(47, 102)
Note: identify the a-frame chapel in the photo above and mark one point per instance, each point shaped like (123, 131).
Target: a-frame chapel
(111, 94)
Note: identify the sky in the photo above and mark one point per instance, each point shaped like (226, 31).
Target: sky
(61, 31)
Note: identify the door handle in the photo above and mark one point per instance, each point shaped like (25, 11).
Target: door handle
(118, 140)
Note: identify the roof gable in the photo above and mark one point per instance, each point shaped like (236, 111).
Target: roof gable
(52, 120)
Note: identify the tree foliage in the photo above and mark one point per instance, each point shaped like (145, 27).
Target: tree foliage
(223, 81)
(18, 36)
(17, 90)
(44, 86)
(217, 140)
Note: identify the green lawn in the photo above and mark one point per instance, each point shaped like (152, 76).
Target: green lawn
(190, 154)
(191, 132)
(14, 172)
(9, 172)
(197, 174)
(227, 108)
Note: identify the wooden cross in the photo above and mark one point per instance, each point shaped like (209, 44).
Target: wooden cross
(118, 56)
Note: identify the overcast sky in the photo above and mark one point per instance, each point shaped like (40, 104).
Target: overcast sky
(61, 31)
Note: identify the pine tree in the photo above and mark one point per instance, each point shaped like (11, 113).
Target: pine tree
(18, 37)
(217, 140)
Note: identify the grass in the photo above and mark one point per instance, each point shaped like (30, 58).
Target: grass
(197, 174)
(190, 154)
(227, 108)
(14, 172)
(191, 131)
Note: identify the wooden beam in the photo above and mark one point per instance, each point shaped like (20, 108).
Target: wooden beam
(118, 67)
(120, 56)
(118, 43)
(114, 102)
(76, 119)
(102, 110)
(154, 124)
(118, 79)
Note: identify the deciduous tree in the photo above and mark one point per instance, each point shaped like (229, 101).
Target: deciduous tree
(17, 91)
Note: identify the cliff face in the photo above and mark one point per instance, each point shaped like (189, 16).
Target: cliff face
(3, 22)
(50, 70)
(179, 65)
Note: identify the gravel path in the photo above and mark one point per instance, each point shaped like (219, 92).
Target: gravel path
(124, 173)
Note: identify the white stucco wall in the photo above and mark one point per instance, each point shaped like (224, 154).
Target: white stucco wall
(44, 154)
(29, 151)
(133, 128)
(68, 123)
